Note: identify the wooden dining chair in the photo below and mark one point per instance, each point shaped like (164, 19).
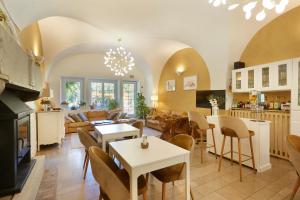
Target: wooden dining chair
(87, 140)
(139, 125)
(113, 182)
(293, 144)
(175, 172)
(235, 128)
(200, 125)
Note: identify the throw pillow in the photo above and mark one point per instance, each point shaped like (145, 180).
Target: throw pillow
(112, 116)
(75, 117)
(83, 117)
(122, 115)
(69, 119)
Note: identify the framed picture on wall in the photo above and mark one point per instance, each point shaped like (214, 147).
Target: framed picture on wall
(170, 85)
(190, 83)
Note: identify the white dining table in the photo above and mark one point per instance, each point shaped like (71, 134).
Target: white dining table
(158, 155)
(113, 132)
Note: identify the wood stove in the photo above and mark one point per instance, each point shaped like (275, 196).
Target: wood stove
(15, 158)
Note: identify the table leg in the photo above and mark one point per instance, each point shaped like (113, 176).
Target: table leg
(103, 145)
(133, 186)
(187, 179)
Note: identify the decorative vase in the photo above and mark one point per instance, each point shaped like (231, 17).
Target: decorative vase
(215, 110)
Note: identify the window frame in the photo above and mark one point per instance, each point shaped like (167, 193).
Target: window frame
(102, 81)
(63, 82)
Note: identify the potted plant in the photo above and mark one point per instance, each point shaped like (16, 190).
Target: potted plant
(141, 109)
(112, 104)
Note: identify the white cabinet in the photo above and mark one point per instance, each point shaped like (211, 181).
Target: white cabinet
(239, 82)
(268, 77)
(283, 74)
(295, 99)
(265, 77)
(50, 126)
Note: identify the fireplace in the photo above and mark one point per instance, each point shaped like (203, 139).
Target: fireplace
(15, 149)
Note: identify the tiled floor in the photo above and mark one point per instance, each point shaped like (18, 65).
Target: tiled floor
(63, 179)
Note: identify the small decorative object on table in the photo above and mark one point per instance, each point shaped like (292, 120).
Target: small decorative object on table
(214, 106)
(145, 143)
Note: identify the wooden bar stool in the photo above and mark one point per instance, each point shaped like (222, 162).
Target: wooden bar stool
(293, 144)
(200, 125)
(235, 128)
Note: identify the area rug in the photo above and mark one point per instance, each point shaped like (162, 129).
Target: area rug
(47, 190)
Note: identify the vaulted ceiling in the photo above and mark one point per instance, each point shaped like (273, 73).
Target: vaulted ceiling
(153, 30)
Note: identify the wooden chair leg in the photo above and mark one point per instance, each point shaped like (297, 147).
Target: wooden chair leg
(201, 146)
(240, 158)
(100, 195)
(295, 188)
(85, 157)
(214, 141)
(173, 183)
(163, 191)
(145, 196)
(86, 166)
(252, 153)
(231, 150)
(192, 195)
(147, 177)
(222, 151)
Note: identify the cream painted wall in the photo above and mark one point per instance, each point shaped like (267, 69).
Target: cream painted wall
(89, 66)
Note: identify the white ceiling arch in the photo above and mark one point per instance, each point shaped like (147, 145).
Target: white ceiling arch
(218, 35)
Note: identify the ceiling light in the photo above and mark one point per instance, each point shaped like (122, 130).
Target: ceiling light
(233, 6)
(119, 61)
(250, 6)
(261, 15)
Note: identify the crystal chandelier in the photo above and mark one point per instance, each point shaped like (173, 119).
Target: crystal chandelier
(248, 6)
(119, 61)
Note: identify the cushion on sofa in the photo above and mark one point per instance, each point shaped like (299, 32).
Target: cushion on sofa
(69, 120)
(75, 117)
(97, 115)
(113, 116)
(83, 117)
(79, 124)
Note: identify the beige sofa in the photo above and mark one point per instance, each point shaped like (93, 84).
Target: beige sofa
(72, 125)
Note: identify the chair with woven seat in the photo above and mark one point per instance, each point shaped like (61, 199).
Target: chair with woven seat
(235, 128)
(200, 125)
(175, 172)
(113, 182)
(87, 140)
(293, 144)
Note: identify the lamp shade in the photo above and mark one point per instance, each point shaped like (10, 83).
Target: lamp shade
(154, 98)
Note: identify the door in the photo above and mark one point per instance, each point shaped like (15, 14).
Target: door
(129, 93)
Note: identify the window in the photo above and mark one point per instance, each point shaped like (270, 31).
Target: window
(129, 92)
(101, 91)
(72, 91)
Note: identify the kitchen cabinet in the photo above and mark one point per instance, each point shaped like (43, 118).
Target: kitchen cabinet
(50, 126)
(275, 76)
(283, 74)
(265, 77)
(239, 82)
(295, 98)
